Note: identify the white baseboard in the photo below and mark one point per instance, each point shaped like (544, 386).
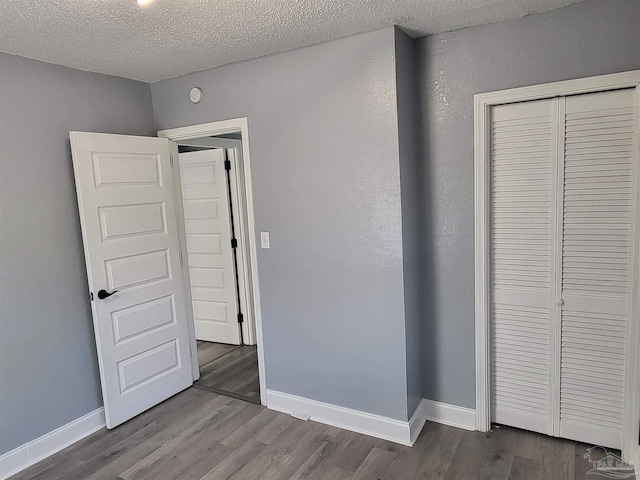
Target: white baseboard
(346, 418)
(32, 452)
(398, 431)
(417, 421)
(447, 414)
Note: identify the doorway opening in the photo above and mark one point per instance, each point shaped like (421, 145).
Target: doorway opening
(136, 249)
(227, 356)
(213, 196)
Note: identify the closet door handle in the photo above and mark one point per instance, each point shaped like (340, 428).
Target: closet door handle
(559, 302)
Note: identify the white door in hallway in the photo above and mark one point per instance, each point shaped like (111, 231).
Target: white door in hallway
(127, 212)
(212, 273)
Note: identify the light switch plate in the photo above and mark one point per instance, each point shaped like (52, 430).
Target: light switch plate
(264, 240)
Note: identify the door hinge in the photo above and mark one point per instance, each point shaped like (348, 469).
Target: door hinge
(240, 318)
(227, 164)
(234, 243)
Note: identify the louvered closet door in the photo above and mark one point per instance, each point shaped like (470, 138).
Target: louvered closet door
(599, 131)
(523, 158)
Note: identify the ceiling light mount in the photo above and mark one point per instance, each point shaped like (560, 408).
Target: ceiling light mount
(143, 3)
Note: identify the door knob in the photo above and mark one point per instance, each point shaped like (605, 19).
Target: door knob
(559, 302)
(102, 294)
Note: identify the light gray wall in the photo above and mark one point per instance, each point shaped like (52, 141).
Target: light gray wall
(48, 368)
(324, 151)
(408, 128)
(591, 38)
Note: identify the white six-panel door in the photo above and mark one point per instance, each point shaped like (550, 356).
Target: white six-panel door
(561, 226)
(127, 213)
(212, 273)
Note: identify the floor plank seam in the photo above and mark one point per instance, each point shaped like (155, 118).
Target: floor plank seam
(226, 393)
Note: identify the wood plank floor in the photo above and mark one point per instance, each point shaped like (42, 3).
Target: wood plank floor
(210, 351)
(233, 372)
(199, 435)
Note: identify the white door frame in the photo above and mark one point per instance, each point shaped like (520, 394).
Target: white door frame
(482, 174)
(192, 134)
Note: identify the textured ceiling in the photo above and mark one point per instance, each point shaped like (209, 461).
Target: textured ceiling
(173, 37)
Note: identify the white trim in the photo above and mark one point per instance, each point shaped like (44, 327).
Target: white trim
(447, 414)
(210, 142)
(234, 154)
(417, 421)
(599, 83)
(398, 431)
(36, 450)
(354, 420)
(482, 105)
(482, 245)
(218, 128)
(210, 129)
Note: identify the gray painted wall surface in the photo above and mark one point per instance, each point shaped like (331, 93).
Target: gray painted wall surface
(591, 38)
(408, 126)
(48, 367)
(324, 152)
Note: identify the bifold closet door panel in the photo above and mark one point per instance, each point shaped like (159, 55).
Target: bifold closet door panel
(523, 159)
(599, 142)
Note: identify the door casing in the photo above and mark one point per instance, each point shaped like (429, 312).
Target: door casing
(193, 135)
(482, 244)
